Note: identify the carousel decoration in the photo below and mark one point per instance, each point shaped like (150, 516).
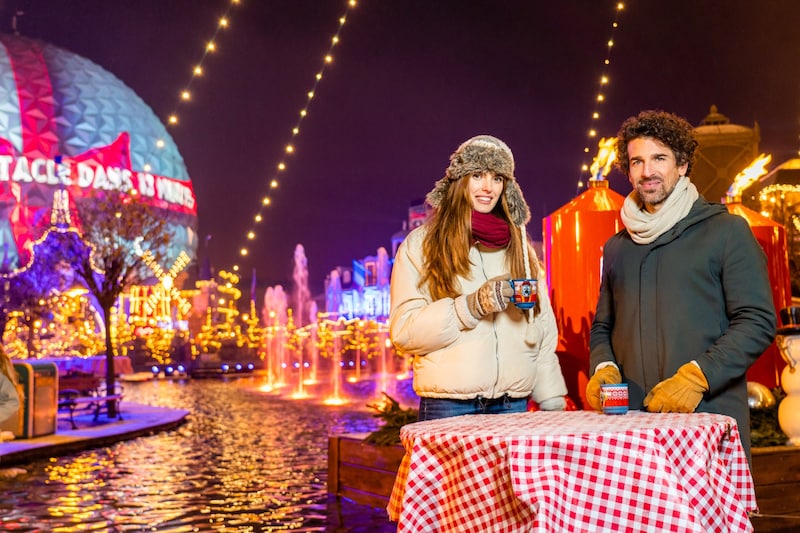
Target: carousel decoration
(771, 235)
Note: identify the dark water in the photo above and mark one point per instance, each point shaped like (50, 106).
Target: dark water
(244, 461)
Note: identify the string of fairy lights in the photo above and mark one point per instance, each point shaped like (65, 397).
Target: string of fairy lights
(197, 71)
(600, 97)
(289, 150)
(273, 182)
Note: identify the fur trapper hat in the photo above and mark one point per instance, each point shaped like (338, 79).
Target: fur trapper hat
(479, 154)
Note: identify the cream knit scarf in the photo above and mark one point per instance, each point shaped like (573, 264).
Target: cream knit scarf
(645, 227)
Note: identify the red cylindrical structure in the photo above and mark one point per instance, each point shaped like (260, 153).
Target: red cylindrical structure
(772, 238)
(573, 240)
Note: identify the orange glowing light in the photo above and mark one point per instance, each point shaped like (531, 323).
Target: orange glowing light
(335, 401)
(606, 154)
(746, 177)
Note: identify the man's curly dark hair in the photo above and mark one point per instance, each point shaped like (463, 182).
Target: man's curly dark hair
(672, 130)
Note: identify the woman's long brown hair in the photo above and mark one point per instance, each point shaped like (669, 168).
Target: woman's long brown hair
(447, 243)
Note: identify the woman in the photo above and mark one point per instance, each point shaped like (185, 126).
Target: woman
(9, 396)
(473, 353)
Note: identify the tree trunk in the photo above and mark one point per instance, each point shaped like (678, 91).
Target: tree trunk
(110, 374)
(29, 321)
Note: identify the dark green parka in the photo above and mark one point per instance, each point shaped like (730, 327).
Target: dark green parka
(699, 292)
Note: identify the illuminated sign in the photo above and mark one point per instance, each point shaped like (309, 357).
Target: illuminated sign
(87, 176)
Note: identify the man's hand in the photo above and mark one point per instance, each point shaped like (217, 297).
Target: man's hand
(679, 394)
(608, 375)
(491, 297)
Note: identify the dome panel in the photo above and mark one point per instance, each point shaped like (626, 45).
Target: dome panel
(56, 103)
(112, 107)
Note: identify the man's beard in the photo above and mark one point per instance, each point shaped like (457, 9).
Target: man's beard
(653, 197)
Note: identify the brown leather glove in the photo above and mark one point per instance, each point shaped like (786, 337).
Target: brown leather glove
(491, 297)
(679, 394)
(605, 376)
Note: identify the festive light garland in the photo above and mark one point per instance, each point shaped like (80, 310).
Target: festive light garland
(295, 131)
(600, 98)
(197, 71)
(185, 94)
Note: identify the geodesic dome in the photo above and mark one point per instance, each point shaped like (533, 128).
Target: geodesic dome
(66, 123)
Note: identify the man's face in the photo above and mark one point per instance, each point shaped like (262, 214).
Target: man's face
(653, 171)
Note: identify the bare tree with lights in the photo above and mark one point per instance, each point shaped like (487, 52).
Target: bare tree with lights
(122, 230)
(48, 272)
(30, 289)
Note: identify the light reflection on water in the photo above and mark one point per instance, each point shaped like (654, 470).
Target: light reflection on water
(244, 461)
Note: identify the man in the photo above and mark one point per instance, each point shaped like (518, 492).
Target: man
(685, 303)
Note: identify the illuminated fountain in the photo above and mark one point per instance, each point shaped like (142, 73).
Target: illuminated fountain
(274, 314)
(330, 335)
(329, 345)
(313, 343)
(386, 378)
(338, 355)
(304, 315)
(296, 341)
(302, 296)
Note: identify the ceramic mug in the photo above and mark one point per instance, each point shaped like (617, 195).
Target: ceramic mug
(614, 397)
(525, 295)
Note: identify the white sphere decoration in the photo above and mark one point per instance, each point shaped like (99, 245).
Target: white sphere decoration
(789, 408)
(788, 341)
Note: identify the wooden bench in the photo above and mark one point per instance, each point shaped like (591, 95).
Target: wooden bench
(71, 400)
(85, 382)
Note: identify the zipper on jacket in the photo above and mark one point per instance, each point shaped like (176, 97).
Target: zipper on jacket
(494, 330)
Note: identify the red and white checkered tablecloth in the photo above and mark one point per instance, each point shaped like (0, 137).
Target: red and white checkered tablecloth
(574, 471)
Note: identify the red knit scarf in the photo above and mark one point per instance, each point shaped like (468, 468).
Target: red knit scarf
(490, 230)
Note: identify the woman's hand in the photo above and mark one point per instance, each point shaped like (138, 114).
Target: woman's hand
(491, 297)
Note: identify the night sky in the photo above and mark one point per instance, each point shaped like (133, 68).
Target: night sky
(410, 80)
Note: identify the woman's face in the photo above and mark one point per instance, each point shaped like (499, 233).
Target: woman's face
(485, 189)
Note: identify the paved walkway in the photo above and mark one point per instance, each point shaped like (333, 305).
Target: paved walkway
(137, 420)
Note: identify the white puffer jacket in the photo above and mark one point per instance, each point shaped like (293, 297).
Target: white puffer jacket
(9, 398)
(502, 353)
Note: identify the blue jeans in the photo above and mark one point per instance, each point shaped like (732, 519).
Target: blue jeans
(433, 408)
